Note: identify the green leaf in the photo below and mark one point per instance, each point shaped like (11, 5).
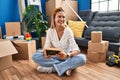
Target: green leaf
(34, 19)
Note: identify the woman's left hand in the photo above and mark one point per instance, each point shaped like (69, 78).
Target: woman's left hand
(62, 55)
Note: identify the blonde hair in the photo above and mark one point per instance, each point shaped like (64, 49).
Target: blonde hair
(54, 12)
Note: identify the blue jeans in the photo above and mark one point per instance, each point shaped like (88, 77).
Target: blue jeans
(61, 66)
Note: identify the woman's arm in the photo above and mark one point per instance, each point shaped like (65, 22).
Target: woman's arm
(48, 40)
(47, 44)
(74, 49)
(73, 53)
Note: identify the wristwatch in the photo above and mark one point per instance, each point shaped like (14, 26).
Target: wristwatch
(69, 55)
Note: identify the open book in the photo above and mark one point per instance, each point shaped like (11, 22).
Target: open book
(52, 51)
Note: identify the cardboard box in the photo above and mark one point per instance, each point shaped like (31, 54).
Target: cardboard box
(6, 50)
(99, 47)
(0, 33)
(61, 3)
(5, 62)
(25, 49)
(96, 56)
(43, 41)
(96, 36)
(13, 28)
(106, 44)
(70, 15)
(49, 8)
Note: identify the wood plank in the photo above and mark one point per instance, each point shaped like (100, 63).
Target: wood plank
(26, 70)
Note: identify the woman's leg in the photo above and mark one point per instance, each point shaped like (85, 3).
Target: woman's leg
(42, 61)
(45, 65)
(70, 63)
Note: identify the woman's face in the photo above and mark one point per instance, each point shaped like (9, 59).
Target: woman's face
(60, 19)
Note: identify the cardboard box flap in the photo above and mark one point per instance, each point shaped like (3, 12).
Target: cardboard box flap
(7, 48)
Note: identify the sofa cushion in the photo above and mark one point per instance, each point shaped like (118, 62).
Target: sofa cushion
(108, 33)
(108, 23)
(86, 15)
(77, 27)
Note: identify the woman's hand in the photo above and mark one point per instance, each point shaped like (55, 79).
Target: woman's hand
(45, 55)
(62, 55)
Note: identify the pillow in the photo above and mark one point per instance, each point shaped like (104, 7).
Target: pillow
(77, 27)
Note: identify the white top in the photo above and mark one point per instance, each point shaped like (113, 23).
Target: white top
(66, 43)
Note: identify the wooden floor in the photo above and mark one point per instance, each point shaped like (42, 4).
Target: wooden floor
(26, 70)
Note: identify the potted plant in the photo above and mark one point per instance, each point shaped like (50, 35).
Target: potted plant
(34, 22)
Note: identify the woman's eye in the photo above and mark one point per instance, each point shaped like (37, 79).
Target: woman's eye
(61, 16)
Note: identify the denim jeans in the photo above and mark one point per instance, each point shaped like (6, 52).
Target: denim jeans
(61, 66)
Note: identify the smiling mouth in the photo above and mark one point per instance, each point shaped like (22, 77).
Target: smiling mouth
(61, 22)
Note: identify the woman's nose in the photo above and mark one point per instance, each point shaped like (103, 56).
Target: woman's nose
(61, 18)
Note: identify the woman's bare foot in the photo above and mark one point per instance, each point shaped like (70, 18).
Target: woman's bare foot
(68, 72)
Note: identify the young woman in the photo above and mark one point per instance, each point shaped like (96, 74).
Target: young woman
(59, 35)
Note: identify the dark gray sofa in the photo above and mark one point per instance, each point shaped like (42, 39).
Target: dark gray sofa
(108, 23)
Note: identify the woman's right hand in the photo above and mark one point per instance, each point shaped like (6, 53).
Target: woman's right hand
(45, 55)
(62, 55)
